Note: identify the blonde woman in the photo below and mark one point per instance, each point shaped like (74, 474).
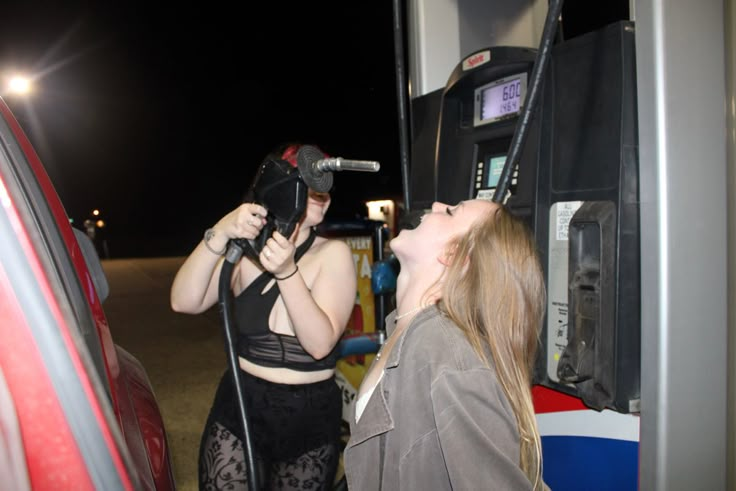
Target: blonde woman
(447, 402)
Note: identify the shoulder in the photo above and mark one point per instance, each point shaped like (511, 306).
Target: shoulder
(333, 258)
(332, 248)
(432, 327)
(337, 244)
(434, 338)
(447, 354)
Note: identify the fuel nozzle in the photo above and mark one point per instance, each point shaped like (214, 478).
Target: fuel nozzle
(279, 188)
(283, 189)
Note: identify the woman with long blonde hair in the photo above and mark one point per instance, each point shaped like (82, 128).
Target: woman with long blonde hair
(447, 402)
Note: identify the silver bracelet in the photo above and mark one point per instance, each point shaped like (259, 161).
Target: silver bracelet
(208, 234)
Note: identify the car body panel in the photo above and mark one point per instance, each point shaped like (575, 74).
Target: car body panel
(84, 407)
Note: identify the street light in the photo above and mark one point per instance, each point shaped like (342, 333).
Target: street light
(17, 89)
(18, 85)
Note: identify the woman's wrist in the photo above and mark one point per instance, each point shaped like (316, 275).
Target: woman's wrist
(280, 278)
(210, 234)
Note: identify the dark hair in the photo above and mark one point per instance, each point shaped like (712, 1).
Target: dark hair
(285, 151)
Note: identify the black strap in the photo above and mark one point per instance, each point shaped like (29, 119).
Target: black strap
(304, 246)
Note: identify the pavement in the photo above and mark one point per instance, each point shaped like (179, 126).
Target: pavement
(183, 355)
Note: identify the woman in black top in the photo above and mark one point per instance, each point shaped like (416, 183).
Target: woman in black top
(290, 308)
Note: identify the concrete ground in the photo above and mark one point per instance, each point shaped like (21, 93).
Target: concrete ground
(183, 355)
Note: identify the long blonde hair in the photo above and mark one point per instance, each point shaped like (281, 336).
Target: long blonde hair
(494, 291)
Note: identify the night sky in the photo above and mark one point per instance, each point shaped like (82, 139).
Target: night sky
(159, 117)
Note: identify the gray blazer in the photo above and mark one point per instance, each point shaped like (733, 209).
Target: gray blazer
(437, 420)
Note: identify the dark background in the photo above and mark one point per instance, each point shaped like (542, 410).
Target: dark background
(159, 116)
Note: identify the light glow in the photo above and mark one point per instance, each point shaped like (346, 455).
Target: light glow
(18, 84)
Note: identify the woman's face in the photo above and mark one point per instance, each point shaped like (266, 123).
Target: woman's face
(430, 238)
(317, 205)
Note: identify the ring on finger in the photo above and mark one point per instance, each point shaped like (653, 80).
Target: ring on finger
(267, 253)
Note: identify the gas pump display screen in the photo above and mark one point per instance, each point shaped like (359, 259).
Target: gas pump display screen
(499, 99)
(488, 173)
(495, 167)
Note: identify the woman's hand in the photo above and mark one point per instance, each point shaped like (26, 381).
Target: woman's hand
(244, 222)
(277, 256)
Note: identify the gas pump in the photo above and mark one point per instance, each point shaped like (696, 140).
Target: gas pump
(597, 192)
(576, 184)
(587, 220)
(478, 112)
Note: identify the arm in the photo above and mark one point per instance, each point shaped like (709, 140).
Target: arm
(195, 286)
(477, 431)
(318, 315)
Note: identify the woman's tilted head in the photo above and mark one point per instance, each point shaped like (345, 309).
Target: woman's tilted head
(426, 246)
(479, 263)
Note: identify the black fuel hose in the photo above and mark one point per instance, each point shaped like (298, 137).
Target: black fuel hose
(517, 142)
(402, 100)
(233, 254)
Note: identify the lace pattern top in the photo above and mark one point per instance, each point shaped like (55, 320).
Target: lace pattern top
(255, 340)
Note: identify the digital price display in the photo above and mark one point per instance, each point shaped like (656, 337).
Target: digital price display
(499, 99)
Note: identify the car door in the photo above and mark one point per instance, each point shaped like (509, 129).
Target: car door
(84, 409)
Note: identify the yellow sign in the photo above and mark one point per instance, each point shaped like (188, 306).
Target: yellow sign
(364, 313)
(363, 319)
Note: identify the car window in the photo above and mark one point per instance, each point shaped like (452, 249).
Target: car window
(48, 239)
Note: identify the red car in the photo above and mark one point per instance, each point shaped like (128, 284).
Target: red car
(77, 412)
